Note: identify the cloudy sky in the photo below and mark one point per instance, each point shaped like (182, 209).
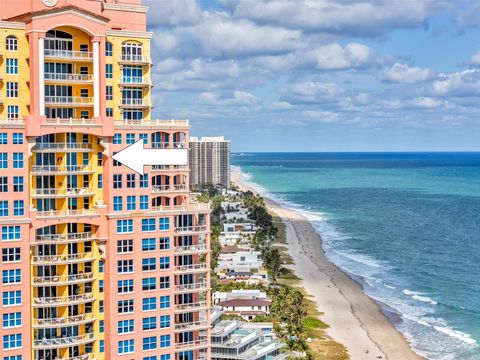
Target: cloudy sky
(321, 75)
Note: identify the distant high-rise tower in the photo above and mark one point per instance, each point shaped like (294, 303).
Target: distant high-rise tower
(209, 161)
(98, 262)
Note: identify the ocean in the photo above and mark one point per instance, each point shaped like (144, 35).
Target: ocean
(406, 225)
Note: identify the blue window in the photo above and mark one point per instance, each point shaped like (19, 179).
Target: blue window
(100, 181)
(10, 233)
(144, 181)
(12, 112)
(149, 264)
(109, 112)
(12, 66)
(126, 326)
(12, 320)
(18, 184)
(102, 346)
(13, 357)
(10, 298)
(117, 181)
(101, 286)
(164, 282)
(164, 224)
(164, 341)
(148, 225)
(100, 306)
(11, 276)
(3, 208)
(125, 286)
(102, 326)
(165, 302)
(117, 203)
(99, 159)
(126, 346)
(18, 208)
(150, 358)
(149, 304)
(17, 138)
(164, 243)
(100, 267)
(164, 321)
(144, 137)
(124, 226)
(164, 263)
(18, 160)
(109, 71)
(108, 49)
(131, 202)
(130, 138)
(12, 341)
(150, 343)
(165, 357)
(3, 139)
(148, 244)
(117, 139)
(125, 306)
(149, 284)
(3, 160)
(143, 202)
(149, 323)
(131, 181)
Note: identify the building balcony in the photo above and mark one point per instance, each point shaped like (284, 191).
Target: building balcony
(192, 345)
(63, 238)
(134, 81)
(169, 145)
(79, 357)
(59, 280)
(11, 122)
(159, 189)
(69, 55)
(62, 301)
(61, 169)
(134, 59)
(62, 193)
(135, 103)
(195, 306)
(67, 213)
(191, 249)
(63, 321)
(169, 168)
(74, 101)
(153, 124)
(71, 122)
(185, 288)
(195, 207)
(68, 78)
(62, 259)
(192, 326)
(62, 147)
(191, 229)
(190, 269)
(63, 342)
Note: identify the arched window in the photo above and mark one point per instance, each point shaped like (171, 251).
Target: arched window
(108, 49)
(58, 40)
(12, 43)
(131, 51)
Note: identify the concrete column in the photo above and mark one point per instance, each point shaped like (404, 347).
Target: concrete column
(41, 75)
(96, 78)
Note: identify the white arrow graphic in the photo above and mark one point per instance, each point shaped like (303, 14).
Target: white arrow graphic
(135, 157)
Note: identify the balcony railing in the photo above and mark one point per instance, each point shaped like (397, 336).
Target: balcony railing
(191, 229)
(166, 145)
(168, 188)
(195, 306)
(69, 100)
(135, 81)
(135, 102)
(203, 207)
(170, 168)
(166, 124)
(55, 169)
(139, 59)
(62, 147)
(63, 238)
(63, 341)
(64, 321)
(71, 121)
(67, 258)
(63, 192)
(60, 280)
(192, 326)
(196, 344)
(11, 121)
(203, 267)
(67, 213)
(75, 78)
(199, 286)
(62, 300)
(67, 54)
(191, 249)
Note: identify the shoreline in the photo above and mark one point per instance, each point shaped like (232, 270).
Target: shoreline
(354, 319)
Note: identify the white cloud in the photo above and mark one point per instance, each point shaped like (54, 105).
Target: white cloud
(353, 17)
(238, 98)
(462, 83)
(336, 57)
(312, 92)
(401, 73)
(475, 59)
(321, 116)
(173, 12)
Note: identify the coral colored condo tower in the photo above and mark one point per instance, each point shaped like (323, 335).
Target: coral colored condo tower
(98, 262)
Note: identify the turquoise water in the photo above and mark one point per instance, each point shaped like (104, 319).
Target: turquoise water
(406, 225)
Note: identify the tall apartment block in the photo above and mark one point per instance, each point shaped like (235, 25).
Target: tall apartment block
(209, 159)
(98, 262)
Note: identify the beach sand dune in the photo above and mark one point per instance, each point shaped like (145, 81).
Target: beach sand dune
(354, 319)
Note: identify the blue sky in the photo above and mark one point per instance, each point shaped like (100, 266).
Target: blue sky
(321, 75)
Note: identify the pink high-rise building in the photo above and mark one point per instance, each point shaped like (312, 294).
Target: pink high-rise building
(98, 262)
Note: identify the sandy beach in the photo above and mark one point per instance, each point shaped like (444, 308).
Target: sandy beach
(354, 319)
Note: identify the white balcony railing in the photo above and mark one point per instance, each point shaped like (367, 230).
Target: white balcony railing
(67, 54)
(191, 229)
(201, 343)
(66, 213)
(170, 168)
(62, 147)
(62, 169)
(66, 258)
(166, 145)
(63, 192)
(78, 78)
(63, 341)
(196, 325)
(64, 321)
(57, 279)
(191, 306)
(135, 81)
(71, 121)
(197, 248)
(135, 102)
(180, 124)
(63, 300)
(141, 59)
(11, 121)
(168, 188)
(192, 268)
(63, 238)
(192, 287)
(69, 100)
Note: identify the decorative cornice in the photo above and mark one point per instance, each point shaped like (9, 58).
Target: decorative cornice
(130, 34)
(12, 25)
(125, 7)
